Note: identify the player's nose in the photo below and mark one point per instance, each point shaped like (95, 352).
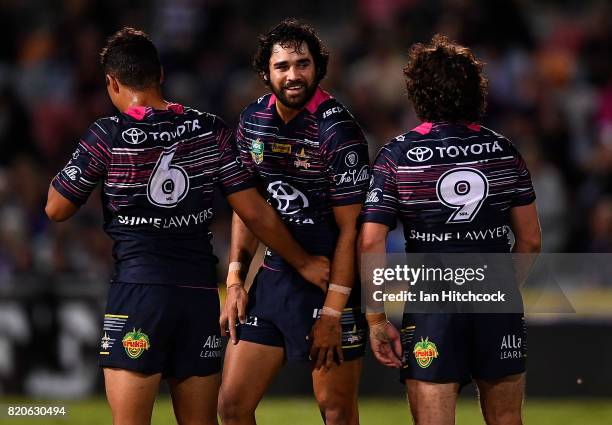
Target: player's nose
(292, 73)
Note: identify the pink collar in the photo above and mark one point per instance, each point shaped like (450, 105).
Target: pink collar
(319, 97)
(425, 127)
(139, 112)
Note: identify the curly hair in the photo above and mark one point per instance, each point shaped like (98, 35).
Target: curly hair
(131, 57)
(445, 82)
(290, 34)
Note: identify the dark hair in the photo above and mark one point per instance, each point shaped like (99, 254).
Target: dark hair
(445, 82)
(131, 57)
(290, 33)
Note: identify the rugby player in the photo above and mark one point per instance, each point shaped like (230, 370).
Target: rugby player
(451, 176)
(311, 158)
(159, 163)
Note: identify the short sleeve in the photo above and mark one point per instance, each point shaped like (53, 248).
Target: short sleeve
(381, 204)
(234, 176)
(87, 167)
(523, 189)
(348, 170)
(244, 147)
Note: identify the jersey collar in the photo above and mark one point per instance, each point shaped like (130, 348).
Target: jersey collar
(139, 113)
(313, 104)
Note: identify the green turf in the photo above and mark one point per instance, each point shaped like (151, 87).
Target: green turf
(304, 412)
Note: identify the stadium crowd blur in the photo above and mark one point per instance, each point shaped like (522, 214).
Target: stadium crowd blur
(549, 66)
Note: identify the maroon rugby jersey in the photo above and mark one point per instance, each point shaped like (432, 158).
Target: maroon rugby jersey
(307, 166)
(451, 185)
(158, 169)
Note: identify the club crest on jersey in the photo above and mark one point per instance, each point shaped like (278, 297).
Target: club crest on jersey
(257, 151)
(135, 343)
(105, 342)
(302, 160)
(424, 352)
(134, 136)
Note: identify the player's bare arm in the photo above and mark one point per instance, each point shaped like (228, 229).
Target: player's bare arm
(242, 249)
(59, 208)
(327, 332)
(384, 337)
(527, 238)
(255, 219)
(267, 226)
(526, 229)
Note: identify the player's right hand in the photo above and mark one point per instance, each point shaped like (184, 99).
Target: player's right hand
(316, 271)
(234, 309)
(386, 344)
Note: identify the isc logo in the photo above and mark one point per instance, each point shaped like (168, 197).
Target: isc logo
(333, 110)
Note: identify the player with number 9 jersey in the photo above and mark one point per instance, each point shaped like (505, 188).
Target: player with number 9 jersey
(457, 187)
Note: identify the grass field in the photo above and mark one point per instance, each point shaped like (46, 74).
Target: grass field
(303, 412)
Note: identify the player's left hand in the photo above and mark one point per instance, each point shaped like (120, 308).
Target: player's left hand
(386, 344)
(326, 337)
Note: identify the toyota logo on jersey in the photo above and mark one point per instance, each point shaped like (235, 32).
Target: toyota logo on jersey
(134, 136)
(289, 199)
(419, 154)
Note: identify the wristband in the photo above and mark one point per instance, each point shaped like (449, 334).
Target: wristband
(330, 312)
(234, 266)
(234, 284)
(339, 288)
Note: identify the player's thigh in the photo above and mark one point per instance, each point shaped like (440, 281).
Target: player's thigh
(195, 399)
(248, 370)
(131, 395)
(501, 399)
(432, 403)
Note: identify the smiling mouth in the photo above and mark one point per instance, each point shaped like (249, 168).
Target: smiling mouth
(294, 88)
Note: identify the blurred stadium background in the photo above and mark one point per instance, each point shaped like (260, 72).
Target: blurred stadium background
(549, 65)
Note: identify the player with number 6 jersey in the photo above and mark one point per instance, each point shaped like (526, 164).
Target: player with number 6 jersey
(457, 187)
(158, 163)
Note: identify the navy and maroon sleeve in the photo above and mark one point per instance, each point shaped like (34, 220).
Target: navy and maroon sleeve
(88, 166)
(523, 189)
(381, 205)
(346, 151)
(234, 176)
(244, 146)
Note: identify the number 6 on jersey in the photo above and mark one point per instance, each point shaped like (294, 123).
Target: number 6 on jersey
(168, 184)
(463, 189)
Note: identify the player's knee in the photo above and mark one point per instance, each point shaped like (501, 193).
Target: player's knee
(503, 416)
(337, 411)
(212, 420)
(232, 407)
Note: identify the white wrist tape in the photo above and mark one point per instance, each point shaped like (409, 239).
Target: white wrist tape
(234, 266)
(330, 312)
(339, 288)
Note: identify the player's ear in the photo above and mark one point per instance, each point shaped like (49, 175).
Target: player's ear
(112, 83)
(162, 76)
